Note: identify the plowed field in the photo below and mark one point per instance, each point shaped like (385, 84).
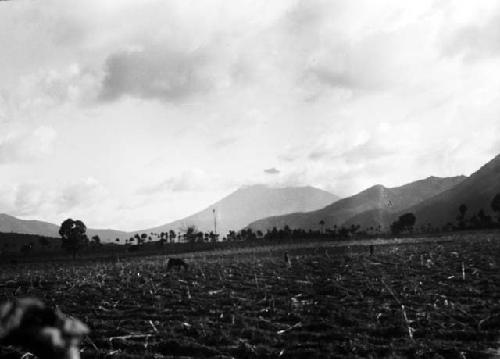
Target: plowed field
(407, 300)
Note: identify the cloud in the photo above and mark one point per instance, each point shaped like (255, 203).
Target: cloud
(193, 180)
(475, 41)
(30, 199)
(52, 87)
(26, 146)
(224, 142)
(372, 149)
(272, 171)
(155, 72)
(25, 199)
(36, 199)
(215, 88)
(83, 193)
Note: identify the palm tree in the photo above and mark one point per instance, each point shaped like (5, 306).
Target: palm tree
(495, 205)
(462, 209)
(322, 226)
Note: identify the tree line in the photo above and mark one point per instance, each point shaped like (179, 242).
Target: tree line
(74, 237)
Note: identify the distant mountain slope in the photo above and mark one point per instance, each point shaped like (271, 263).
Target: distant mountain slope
(107, 235)
(373, 218)
(476, 192)
(250, 203)
(11, 224)
(376, 202)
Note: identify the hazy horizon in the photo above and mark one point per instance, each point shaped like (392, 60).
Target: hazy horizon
(247, 186)
(133, 114)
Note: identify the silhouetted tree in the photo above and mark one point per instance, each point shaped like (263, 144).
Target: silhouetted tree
(44, 242)
(142, 238)
(354, 228)
(343, 232)
(286, 231)
(462, 210)
(73, 236)
(408, 221)
(212, 237)
(232, 236)
(485, 221)
(474, 222)
(322, 226)
(26, 248)
(171, 235)
(495, 205)
(96, 241)
(404, 223)
(191, 234)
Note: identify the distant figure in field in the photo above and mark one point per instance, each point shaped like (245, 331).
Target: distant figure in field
(176, 263)
(372, 249)
(288, 262)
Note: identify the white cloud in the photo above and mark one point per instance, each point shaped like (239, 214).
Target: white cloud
(55, 201)
(27, 145)
(30, 200)
(192, 180)
(82, 193)
(186, 102)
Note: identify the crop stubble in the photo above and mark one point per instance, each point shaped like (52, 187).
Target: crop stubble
(418, 300)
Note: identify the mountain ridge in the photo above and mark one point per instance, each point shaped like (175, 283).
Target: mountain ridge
(260, 201)
(377, 197)
(434, 200)
(12, 224)
(476, 192)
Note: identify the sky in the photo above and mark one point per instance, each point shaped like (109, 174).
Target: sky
(130, 114)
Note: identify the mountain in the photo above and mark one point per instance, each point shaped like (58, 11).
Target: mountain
(248, 204)
(373, 218)
(12, 224)
(233, 212)
(371, 205)
(476, 192)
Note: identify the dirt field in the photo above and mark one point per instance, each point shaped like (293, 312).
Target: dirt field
(415, 300)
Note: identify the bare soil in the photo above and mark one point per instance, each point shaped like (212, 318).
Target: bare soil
(420, 300)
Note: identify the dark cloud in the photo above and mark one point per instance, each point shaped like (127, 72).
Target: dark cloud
(272, 171)
(319, 154)
(155, 73)
(475, 41)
